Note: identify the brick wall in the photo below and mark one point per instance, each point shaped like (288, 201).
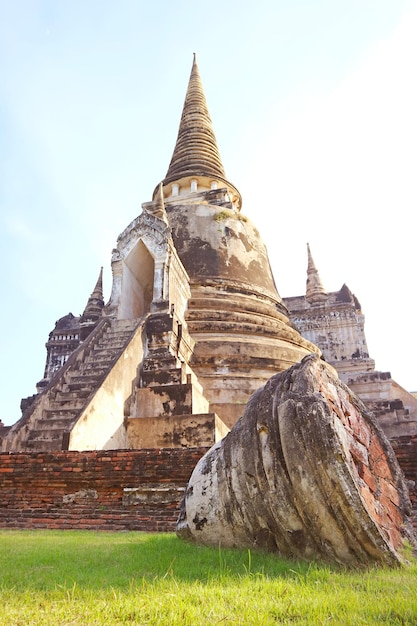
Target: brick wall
(115, 490)
(405, 449)
(101, 490)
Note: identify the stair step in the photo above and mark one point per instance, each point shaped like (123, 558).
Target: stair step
(96, 349)
(97, 359)
(72, 404)
(52, 425)
(75, 391)
(61, 412)
(88, 378)
(97, 362)
(81, 379)
(44, 445)
(65, 396)
(46, 435)
(93, 363)
(107, 352)
(82, 389)
(175, 373)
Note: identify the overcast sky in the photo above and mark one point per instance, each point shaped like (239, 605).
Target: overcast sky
(314, 106)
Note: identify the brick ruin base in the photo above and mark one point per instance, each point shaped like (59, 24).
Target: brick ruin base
(117, 489)
(405, 449)
(99, 490)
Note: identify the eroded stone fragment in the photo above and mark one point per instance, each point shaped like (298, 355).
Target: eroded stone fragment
(306, 472)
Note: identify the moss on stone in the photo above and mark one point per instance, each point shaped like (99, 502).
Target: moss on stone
(225, 214)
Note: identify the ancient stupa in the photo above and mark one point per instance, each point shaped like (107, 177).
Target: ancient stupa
(193, 327)
(194, 324)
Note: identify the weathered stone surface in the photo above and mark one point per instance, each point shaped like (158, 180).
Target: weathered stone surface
(334, 322)
(235, 314)
(306, 472)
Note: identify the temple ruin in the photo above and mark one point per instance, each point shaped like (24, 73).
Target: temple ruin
(194, 324)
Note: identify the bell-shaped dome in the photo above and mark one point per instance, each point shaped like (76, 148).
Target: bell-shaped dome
(235, 315)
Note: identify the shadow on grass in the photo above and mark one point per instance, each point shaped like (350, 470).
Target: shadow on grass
(42, 560)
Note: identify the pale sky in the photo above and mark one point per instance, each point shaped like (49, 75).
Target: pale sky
(314, 107)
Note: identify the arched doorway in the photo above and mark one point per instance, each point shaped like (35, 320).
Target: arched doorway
(137, 282)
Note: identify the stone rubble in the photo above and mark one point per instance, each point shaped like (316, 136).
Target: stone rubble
(306, 472)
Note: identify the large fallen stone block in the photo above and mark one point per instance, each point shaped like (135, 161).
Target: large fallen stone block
(306, 472)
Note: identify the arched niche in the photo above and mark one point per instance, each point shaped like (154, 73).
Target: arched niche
(137, 282)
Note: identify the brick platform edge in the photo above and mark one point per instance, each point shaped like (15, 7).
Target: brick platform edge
(99, 490)
(117, 489)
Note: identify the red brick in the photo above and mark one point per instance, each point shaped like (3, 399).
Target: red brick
(389, 491)
(377, 460)
(31, 493)
(367, 477)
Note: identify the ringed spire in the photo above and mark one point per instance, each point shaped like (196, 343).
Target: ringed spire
(196, 164)
(315, 292)
(95, 304)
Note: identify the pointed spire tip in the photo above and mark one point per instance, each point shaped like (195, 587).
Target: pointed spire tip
(315, 291)
(196, 153)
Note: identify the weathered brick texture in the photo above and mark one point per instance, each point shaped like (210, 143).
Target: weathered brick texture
(405, 449)
(95, 490)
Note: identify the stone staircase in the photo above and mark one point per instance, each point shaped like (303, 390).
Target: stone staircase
(75, 384)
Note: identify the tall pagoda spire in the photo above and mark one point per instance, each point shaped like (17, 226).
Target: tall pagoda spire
(315, 291)
(196, 164)
(95, 303)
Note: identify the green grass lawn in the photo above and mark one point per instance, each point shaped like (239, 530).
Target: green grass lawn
(87, 578)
